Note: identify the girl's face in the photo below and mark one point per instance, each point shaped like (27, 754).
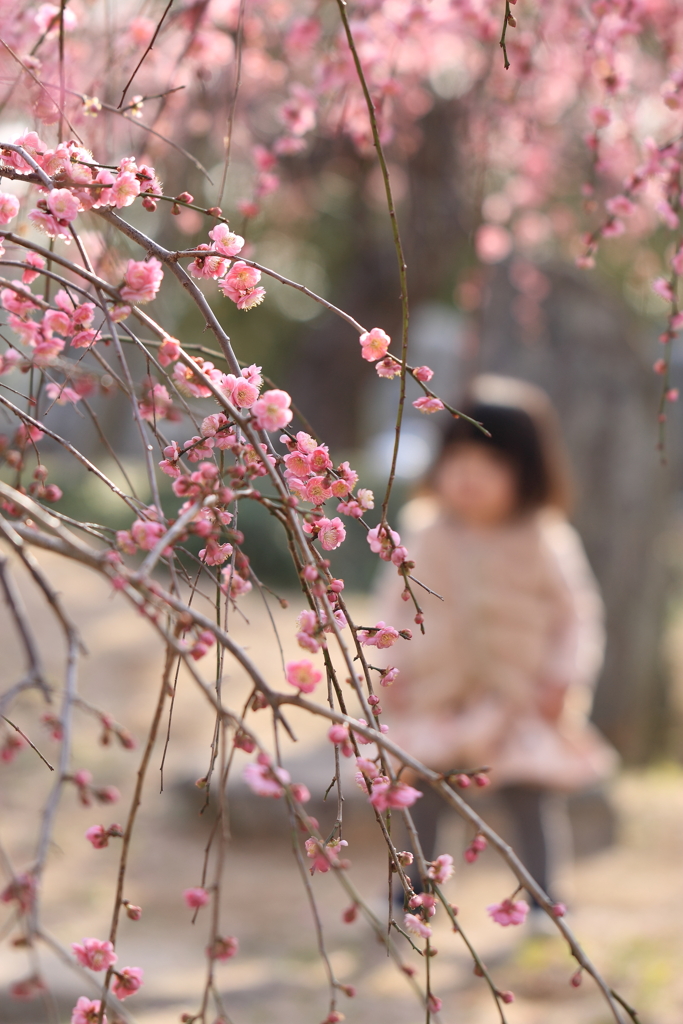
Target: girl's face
(477, 485)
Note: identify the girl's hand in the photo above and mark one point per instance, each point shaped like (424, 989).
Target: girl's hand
(551, 701)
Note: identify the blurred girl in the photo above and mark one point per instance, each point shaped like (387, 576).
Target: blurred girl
(503, 676)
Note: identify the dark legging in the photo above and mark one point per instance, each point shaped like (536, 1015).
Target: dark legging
(526, 807)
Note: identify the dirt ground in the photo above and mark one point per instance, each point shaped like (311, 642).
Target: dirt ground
(626, 902)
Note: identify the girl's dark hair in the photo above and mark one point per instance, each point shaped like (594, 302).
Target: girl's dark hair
(526, 438)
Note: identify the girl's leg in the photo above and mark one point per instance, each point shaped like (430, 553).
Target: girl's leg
(526, 806)
(426, 813)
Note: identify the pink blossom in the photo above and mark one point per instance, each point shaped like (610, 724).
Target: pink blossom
(83, 339)
(61, 394)
(393, 794)
(508, 912)
(317, 490)
(271, 411)
(9, 360)
(331, 533)
(367, 767)
(47, 223)
(308, 642)
(620, 206)
(250, 299)
(223, 948)
(226, 241)
(215, 553)
(11, 747)
(124, 190)
(9, 208)
(305, 443)
(303, 674)
(668, 214)
(127, 982)
(244, 393)
(381, 636)
(338, 733)
(169, 350)
(388, 676)
(211, 267)
(388, 368)
(417, 926)
(98, 836)
(97, 954)
(374, 344)
(86, 1011)
(492, 243)
(300, 792)
(324, 857)
(662, 288)
(365, 498)
(382, 542)
(423, 373)
(298, 112)
(32, 260)
(63, 204)
(427, 404)
(441, 869)
(434, 1002)
(146, 533)
(241, 279)
(297, 463)
(197, 897)
(265, 779)
(142, 280)
(27, 988)
(613, 228)
(399, 555)
(22, 889)
(600, 116)
(46, 20)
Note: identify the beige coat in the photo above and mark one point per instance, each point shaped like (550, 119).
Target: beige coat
(521, 617)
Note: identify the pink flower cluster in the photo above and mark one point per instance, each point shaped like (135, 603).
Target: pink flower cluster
(21, 890)
(397, 795)
(87, 1011)
(303, 675)
(223, 948)
(380, 636)
(45, 335)
(325, 856)
(97, 954)
(99, 836)
(241, 285)
(264, 778)
(311, 477)
(441, 869)
(387, 544)
(72, 162)
(478, 844)
(508, 912)
(142, 280)
(127, 982)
